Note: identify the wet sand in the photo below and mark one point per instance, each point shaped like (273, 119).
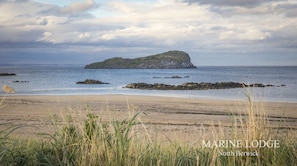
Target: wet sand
(169, 117)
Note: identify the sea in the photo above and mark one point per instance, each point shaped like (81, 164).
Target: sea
(61, 80)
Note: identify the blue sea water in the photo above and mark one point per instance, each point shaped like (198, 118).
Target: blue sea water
(61, 80)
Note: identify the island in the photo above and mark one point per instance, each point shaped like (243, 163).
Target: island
(167, 60)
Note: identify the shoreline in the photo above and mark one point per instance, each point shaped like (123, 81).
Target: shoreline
(173, 117)
(219, 98)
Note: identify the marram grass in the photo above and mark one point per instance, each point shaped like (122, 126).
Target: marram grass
(93, 142)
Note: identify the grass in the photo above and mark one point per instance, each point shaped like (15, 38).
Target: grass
(127, 142)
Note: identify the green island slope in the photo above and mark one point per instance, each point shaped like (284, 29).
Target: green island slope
(167, 60)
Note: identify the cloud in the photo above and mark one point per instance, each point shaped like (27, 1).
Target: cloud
(243, 3)
(76, 7)
(41, 21)
(120, 27)
(250, 34)
(14, 1)
(31, 21)
(47, 37)
(290, 9)
(148, 23)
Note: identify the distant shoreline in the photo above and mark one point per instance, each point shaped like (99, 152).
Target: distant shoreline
(211, 98)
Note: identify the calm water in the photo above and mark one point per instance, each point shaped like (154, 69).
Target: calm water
(61, 80)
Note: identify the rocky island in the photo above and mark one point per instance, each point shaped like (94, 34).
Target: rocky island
(167, 60)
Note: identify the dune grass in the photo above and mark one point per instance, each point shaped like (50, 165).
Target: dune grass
(127, 142)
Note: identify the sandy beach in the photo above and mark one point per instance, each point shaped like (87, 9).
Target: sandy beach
(173, 118)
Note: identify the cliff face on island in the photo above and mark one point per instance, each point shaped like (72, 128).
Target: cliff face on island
(167, 60)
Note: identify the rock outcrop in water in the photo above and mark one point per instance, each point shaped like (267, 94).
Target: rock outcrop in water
(91, 81)
(167, 60)
(17, 81)
(194, 86)
(7, 74)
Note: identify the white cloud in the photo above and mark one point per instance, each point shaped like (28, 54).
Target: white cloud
(166, 21)
(251, 34)
(76, 7)
(47, 37)
(244, 3)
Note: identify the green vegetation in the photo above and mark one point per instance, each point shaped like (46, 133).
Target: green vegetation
(170, 59)
(126, 142)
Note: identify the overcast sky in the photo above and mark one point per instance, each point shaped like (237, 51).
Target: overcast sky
(213, 32)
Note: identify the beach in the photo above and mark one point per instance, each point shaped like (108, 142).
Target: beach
(170, 118)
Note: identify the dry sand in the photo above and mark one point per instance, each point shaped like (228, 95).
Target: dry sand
(168, 117)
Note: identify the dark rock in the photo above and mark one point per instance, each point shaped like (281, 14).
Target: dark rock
(174, 77)
(17, 81)
(7, 74)
(194, 86)
(91, 81)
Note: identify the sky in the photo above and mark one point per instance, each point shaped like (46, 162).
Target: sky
(212, 32)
